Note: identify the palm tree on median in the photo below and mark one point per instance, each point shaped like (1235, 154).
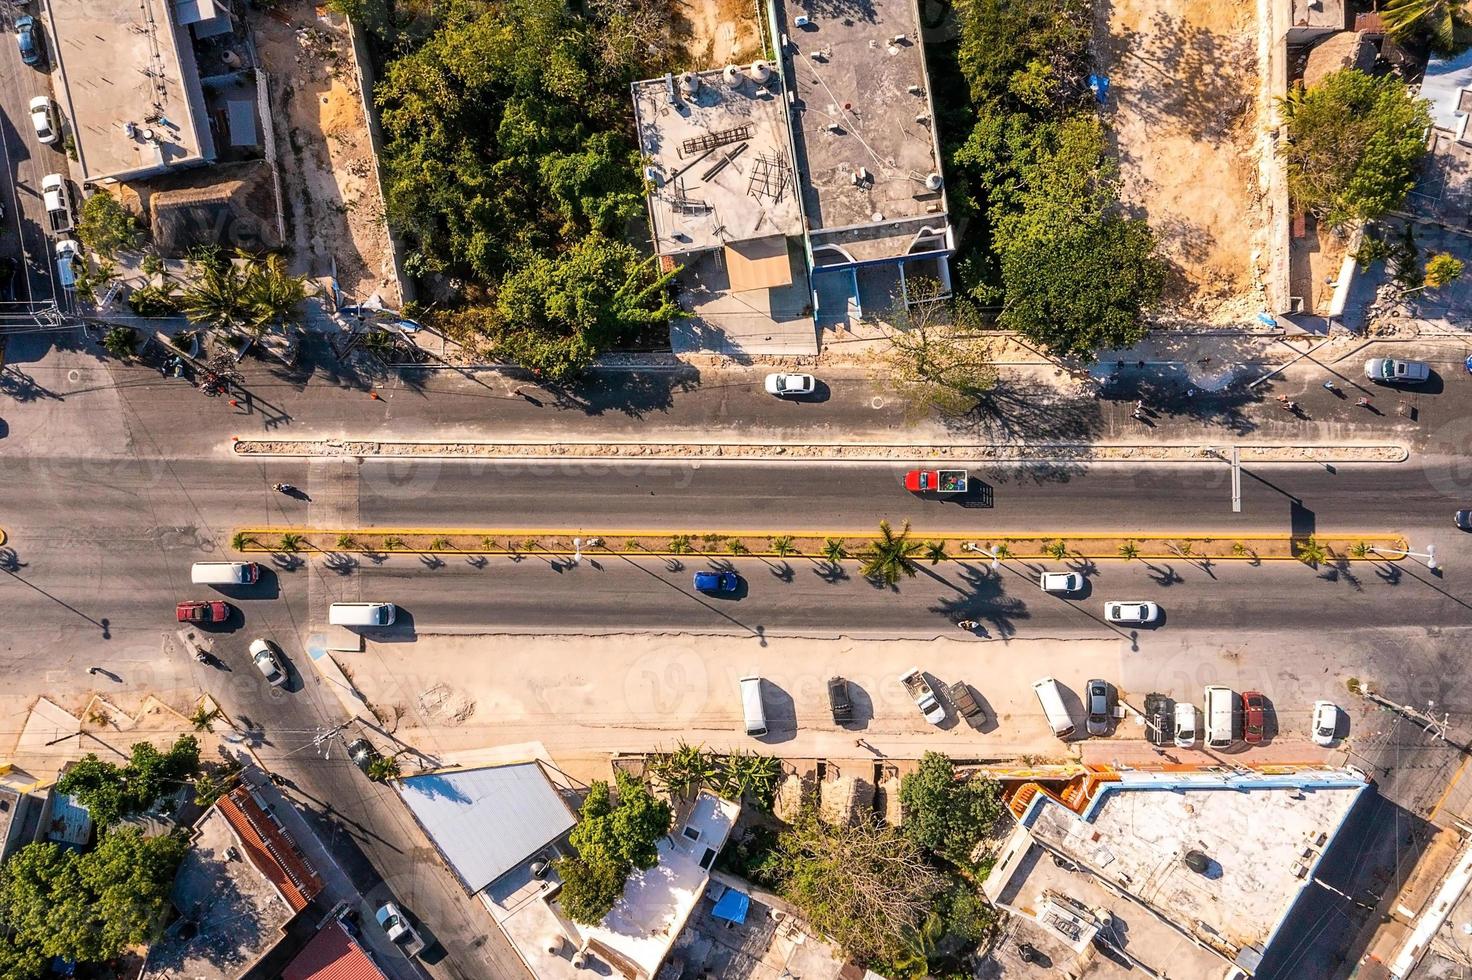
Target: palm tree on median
(891, 556)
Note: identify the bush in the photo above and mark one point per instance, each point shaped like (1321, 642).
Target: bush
(945, 814)
(611, 841)
(153, 301)
(120, 342)
(105, 226)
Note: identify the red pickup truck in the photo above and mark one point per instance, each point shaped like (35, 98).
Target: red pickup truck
(936, 481)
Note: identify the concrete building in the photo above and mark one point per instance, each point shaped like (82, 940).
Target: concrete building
(1439, 944)
(803, 185)
(1310, 19)
(127, 80)
(1180, 872)
(864, 139)
(1443, 193)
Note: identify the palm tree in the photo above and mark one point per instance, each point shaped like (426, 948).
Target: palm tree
(1359, 550)
(936, 551)
(239, 540)
(217, 296)
(680, 544)
(834, 551)
(736, 546)
(1439, 20)
(1311, 552)
(782, 545)
(1129, 551)
(345, 542)
(273, 296)
(291, 542)
(891, 556)
(1001, 551)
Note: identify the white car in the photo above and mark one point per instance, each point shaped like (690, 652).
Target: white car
(1391, 371)
(784, 385)
(43, 118)
(264, 655)
(1325, 723)
(1134, 613)
(1186, 733)
(1061, 582)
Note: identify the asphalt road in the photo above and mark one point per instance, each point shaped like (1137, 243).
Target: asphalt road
(24, 160)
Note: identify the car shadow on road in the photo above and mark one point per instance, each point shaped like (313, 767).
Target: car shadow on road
(781, 714)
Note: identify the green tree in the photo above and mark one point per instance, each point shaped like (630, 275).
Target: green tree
(558, 313)
(218, 294)
(864, 884)
(947, 814)
(110, 792)
(1355, 142)
(120, 342)
(152, 301)
(891, 556)
(1442, 269)
(383, 768)
(590, 889)
(90, 906)
(934, 350)
(1129, 551)
(1442, 22)
(106, 227)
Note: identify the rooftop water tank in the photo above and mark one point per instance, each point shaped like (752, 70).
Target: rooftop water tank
(759, 71)
(932, 182)
(689, 84)
(732, 75)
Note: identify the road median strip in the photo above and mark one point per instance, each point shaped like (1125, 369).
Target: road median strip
(677, 449)
(933, 547)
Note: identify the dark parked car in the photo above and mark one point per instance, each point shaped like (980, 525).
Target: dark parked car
(1254, 717)
(362, 752)
(963, 700)
(839, 701)
(717, 582)
(1159, 719)
(28, 37)
(1463, 519)
(1099, 701)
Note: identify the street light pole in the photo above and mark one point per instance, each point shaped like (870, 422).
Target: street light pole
(1429, 554)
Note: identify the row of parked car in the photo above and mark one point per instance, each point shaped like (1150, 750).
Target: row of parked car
(1224, 718)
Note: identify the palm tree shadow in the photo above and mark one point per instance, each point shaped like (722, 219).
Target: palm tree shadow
(831, 572)
(981, 596)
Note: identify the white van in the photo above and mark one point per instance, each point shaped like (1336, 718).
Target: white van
(1053, 708)
(1221, 716)
(224, 573)
(361, 613)
(751, 706)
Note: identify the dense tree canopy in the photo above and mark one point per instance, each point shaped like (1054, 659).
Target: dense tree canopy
(86, 906)
(507, 163)
(612, 840)
(944, 814)
(110, 792)
(1032, 183)
(1354, 145)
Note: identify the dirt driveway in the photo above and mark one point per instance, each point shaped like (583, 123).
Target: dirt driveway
(1183, 80)
(334, 210)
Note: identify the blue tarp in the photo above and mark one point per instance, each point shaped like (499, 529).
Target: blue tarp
(732, 906)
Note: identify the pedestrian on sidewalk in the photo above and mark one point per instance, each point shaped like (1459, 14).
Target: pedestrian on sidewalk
(94, 670)
(1363, 402)
(1138, 415)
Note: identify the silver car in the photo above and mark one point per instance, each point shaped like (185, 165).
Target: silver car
(267, 658)
(1389, 371)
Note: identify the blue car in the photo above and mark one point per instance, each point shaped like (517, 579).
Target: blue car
(27, 38)
(719, 582)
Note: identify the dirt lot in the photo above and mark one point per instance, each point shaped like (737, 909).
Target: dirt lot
(1182, 101)
(334, 210)
(716, 33)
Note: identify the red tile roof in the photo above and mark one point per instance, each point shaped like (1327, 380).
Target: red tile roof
(332, 955)
(270, 848)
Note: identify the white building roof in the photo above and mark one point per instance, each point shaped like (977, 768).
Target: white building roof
(487, 821)
(1448, 87)
(643, 925)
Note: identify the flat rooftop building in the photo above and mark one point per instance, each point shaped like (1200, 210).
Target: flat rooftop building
(1189, 873)
(863, 129)
(129, 84)
(717, 160)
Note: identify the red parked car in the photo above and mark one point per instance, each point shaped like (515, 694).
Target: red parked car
(202, 612)
(1254, 710)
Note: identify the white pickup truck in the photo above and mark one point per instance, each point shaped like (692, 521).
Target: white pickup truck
(58, 204)
(919, 688)
(397, 927)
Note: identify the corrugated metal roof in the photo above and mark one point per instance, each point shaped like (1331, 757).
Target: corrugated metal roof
(332, 955)
(487, 821)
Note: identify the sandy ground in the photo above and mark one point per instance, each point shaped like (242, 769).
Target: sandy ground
(334, 210)
(582, 697)
(1183, 77)
(716, 33)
